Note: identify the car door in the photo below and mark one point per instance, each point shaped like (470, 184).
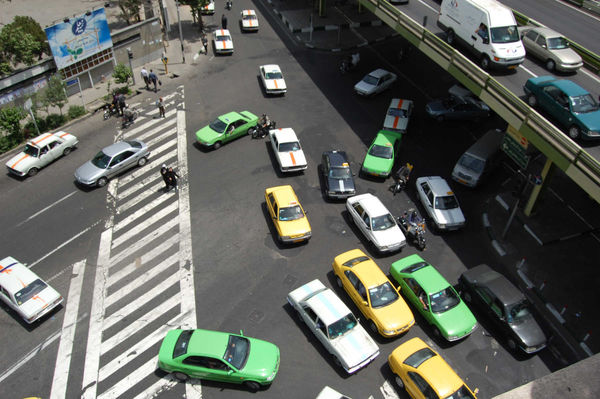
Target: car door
(556, 103)
(237, 129)
(325, 167)
(426, 197)
(7, 298)
(364, 221)
(417, 387)
(529, 40)
(417, 296)
(121, 162)
(55, 148)
(357, 291)
(541, 45)
(45, 156)
(273, 210)
(316, 326)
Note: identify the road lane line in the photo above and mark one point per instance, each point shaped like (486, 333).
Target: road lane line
(65, 346)
(142, 212)
(46, 208)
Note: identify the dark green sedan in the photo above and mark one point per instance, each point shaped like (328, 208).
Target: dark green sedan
(382, 154)
(219, 356)
(436, 300)
(226, 128)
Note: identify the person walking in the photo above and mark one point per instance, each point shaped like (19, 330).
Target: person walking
(205, 43)
(172, 179)
(161, 107)
(164, 174)
(224, 21)
(121, 103)
(153, 79)
(145, 76)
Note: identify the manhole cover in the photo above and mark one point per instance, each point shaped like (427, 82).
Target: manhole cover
(256, 316)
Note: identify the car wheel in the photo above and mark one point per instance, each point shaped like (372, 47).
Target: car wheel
(512, 345)
(437, 333)
(485, 62)
(338, 281)
(32, 172)
(400, 382)
(102, 182)
(574, 132)
(252, 386)
(67, 151)
(531, 100)
(550, 65)
(450, 37)
(373, 327)
(142, 161)
(181, 376)
(217, 145)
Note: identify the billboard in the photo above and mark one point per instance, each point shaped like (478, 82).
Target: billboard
(79, 38)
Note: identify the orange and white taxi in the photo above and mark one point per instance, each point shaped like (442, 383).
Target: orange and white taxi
(288, 150)
(287, 214)
(249, 20)
(398, 115)
(222, 41)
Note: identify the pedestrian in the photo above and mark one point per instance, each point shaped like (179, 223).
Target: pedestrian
(153, 79)
(224, 22)
(205, 43)
(172, 179)
(122, 105)
(145, 76)
(163, 173)
(161, 108)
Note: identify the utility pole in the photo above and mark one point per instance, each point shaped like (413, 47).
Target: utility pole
(180, 32)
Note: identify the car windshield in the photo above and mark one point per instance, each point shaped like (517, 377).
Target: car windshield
(238, 349)
(340, 173)
(462, 393)
(444, 300)
(286, 147)
(446, 202)
(274, 75)
(381, 151)
(518, 312)
(370, 79)
(134, 144)
(417, 358)
(451, 101)
(247, 17)
(397, 112)
(220, 38)
(355, 261)
(557, 43)
(342, 326)
(382, 295)
(290, 213)
(218, 126)
(382, 222)
(505, 34)
(181, 346)
(30, 291)
(471, 163)
(101, 160)
(31, 150)
(583, 104)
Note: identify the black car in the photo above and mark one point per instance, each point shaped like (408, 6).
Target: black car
(505, 305)
(337, 175)
(457, 108)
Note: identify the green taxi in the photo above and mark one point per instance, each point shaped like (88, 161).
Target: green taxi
(226, 128)
(219, 356)
(382, 154)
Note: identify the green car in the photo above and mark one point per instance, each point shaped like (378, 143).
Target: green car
(436, 300)
(219, 356)
(226, 128)
(382, 153)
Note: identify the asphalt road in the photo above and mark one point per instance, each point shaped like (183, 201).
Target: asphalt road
(242, 274)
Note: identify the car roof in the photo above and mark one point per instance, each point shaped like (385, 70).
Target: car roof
(271, 68)
(369, 273)
(231, 116)
(546, 32)
(222, 32)
(209, 343)
(116, 148)
(400, 103)
(504, 290)
(14, 275)
(327, 306)
(337, 158)
(248, 12)
(386, 138)
(284, 195)
(430, 279)
(371, 203)
(40, 140)
(570, 88)
(438, 185)
(379, 73)
(286, 135)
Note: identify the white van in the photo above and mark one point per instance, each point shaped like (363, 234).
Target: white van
(486, 27)
(479, 159)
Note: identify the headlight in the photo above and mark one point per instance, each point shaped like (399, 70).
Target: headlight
(285, 237)
(389, 332)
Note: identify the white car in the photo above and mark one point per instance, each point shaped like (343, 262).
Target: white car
(334, 325)
(375, 82)
(330, 393)
(375, 222)
(440, 203)
(208, 9)
(24, 292)
(398, 115)
(287, 149)
(222, 41)
(249, 20)
(272, 79)
(40, 151)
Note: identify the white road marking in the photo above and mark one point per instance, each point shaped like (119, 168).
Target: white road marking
(428, 6)
(162, 136)
(65, 346)
(140, 128)
(140, 213)
(159, 386)
(157, 129)
(527, 70)
(151, 184)
(147, 223)
(46, 208)
(388, 391)
(136, 376)
(148, 168)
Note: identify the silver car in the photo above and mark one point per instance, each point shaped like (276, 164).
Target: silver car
(552, 48)
(111, 161)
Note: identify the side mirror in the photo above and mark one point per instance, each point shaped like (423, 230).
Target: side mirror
(486, 41)
(365, 303)
(544, 46)
(230, 372)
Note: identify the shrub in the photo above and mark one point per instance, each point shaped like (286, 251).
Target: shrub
(75, 111)
(55, 120)
(29, 129)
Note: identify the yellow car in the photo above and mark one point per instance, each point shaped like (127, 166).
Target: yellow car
(372, 293)
(423, 373)
(287, 214)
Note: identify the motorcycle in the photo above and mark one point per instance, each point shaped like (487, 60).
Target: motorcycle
(401, 179)
(110, 110)
(413, 227)
(228, 5)
(349, 63)
(129, 116)
(261, 130)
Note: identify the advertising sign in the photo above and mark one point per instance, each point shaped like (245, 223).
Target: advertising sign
(81, 37)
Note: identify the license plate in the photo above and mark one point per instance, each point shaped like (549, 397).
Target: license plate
(298, 240)
(512, 67)
(462, 181)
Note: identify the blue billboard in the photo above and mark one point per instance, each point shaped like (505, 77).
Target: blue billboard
(79, 38)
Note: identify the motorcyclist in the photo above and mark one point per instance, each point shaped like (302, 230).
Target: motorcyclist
(404, 173)
(354, 59)
(127, 116)
(264, 121)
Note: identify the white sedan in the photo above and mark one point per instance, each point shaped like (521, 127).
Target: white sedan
(375, 222)
(398, 115)
(334, 325)
(208, 9)
(40, 151)
(222, 41)
(287, 149)
(272, 79)
(249, 20)
(375, 82)
(440, 203)
(24, 292)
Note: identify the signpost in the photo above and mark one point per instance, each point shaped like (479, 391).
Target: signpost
(515, 146)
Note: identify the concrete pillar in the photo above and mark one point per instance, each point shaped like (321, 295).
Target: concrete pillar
(547, 173)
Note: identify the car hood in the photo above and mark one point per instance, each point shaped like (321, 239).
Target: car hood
(223, 44)
(435, 107)
(88, 172)
(263, 359)
(567, 55)
(354, 347)
(342, 185)
(292, 158)
(456, 321)
(377, 164)
(364, 87)
(294, 227)
(449, 216)
(21, 162)
(207, 135)
(590, 119)
(39, 302)
(388, 237)
(249, 23)
(395, 316)
(529, 331)
(395, 123)
(275, 84)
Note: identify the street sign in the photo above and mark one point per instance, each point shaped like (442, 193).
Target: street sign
(515, 150)
(519, 138)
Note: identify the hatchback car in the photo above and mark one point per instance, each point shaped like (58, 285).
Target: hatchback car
(505, 306)
(111, 161)
(434, 297)
(334, 325)
(41, 151)
(287, 214)
(287, 150)
(373, 293)
(375, 82)
(375, 221)
(24, 292)
(552, 48)
(226, 128)
(337, 176)
(381, 155)
(219, 356)
(222, 42)
(272, 79)
(423, 373)
(440, 203)
(460, 105)
(249, 21)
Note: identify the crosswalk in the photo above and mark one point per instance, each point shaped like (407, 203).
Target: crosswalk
(144, 277)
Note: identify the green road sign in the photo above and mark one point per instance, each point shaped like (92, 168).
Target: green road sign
(514, 150)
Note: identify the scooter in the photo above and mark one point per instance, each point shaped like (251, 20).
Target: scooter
(401, 179)
(413, 227)
(129, 119)
(262, 130)
(349, 63)
(228, 4)
(110, 110)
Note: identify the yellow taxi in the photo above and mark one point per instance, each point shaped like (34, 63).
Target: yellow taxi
(288, 216)
(423, 373)
(373, 293)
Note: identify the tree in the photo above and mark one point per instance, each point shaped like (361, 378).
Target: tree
(55, 93)
(10, 123)
(130, 10)
(32, 27)
(122, 73)
(17, 46)
(195, 6)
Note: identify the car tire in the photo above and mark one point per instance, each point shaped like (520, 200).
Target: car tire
(338, 281)
(512, 345)
(67, 151)
(252, 386)
(102, 182)
(32, 172)
(399, 382)
(181, 376)
(450, 36)
(531, 100)
(574, 132)
(142, 161)
(217, 145)
(373, 327)
(550, 65)
(437, 333)
(485, 62)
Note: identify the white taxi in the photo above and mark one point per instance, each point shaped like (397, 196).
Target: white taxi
(272, 79)
(440, 203)
(222, 41)
(287, 149)
(208, 9)
(40, 151)
(249, 20)
(24, 292)
(334, 325)
(398, 115)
